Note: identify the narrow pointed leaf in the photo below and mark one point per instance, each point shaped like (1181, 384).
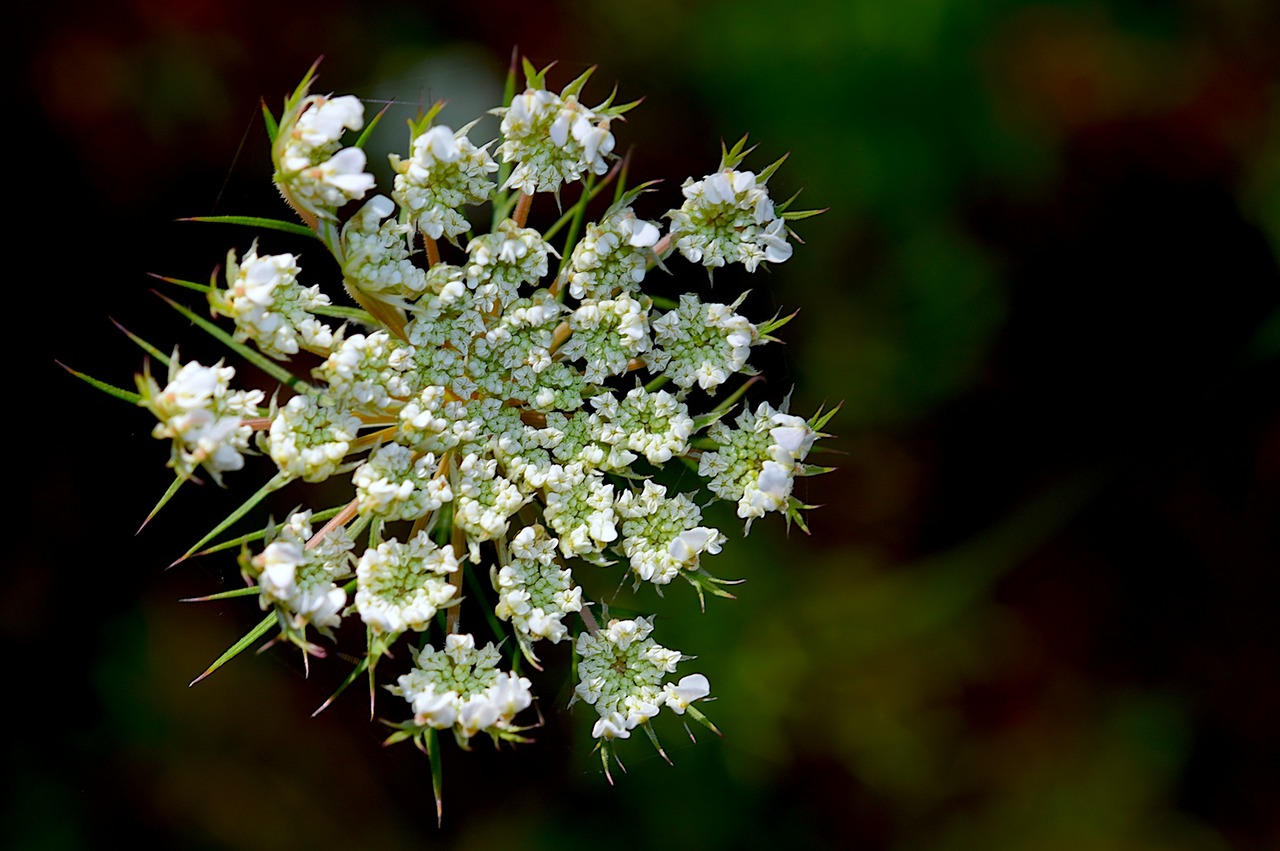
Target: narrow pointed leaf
(803, 214)
(437, 772)
(164, 500)
(247, 591)
(273, 127)
(262, 533)
(276, 482)
(820, 419)
(772, 167)
(703, 720)
(351, 678)
(256, 222)
(109, 389)
(364, 135)
(191, 285)
(239, 647)
(653, 737)
(767, 328)
(253, 356)
(143, 344)
(350, 314)
(575, 87)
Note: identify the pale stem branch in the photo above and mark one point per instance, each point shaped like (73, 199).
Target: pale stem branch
(340, 519)
(589, 620)
(521, 214)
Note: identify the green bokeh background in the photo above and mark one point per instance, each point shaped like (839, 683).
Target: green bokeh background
(1038, 607)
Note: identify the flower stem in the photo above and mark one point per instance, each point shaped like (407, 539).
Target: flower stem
(521, 214)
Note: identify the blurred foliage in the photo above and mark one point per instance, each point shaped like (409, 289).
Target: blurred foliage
(1037, 610)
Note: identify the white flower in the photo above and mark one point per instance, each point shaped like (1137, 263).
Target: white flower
(310, 440)
(728, 217)
(690, 688)
(552, 141)
(444, 173)
(203, 417)
(402, 586)
(460, 687)
(621, 672)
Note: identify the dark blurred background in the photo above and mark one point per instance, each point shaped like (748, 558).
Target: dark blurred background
(1038, 608)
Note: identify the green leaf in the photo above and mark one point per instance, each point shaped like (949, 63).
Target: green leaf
(819, 419)
(109, 389)
(304, 87)
(802, 214)
(256, 222)
(262, 533)
(703, 720)
(191, 285)
(767, 328)
(732, 157)
(437, 772)
(247, 591)
(733, 398)
(277, 481)
(575, 87)
(351, 678)
(422, 123)
(533, 78)
(143, 344)
(364, 135)
(653, 737)
(164, 500)
(350, 314)
(772, 167)
(627, 198)
(237, 648)
(273, 127)
(253, 356)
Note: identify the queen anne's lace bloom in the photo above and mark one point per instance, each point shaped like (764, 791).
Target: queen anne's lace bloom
(534, 592)
(613, 256)
(621, 672)
(496, 413)
(485, 501)
(552, 141)
(301, 582)
(270, 307)
(397, 484)
(310, 440)
(501, 261)
(460, 687)
(401, 586)
(313, 173)
(376, 254)
(369, 373)
(580, 509)
(202, 415)
(701, 344)
(444, 173)
(607, 335)
(661, 535)
(728, 217)
(757, 462)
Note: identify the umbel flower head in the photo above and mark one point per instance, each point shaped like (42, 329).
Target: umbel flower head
(501, 408)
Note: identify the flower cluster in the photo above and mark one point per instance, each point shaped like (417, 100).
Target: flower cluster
(621, 674)
(460, 687)
(505, 408)
(202, 415)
